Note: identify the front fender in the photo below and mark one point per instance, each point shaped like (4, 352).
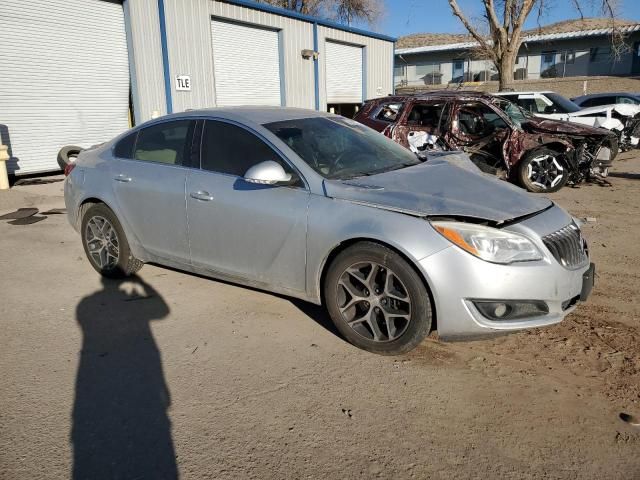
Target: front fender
(333, 222)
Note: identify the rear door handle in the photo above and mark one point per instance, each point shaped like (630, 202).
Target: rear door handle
(122, 178)
(201, 195)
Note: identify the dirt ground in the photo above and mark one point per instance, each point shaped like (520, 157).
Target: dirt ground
(175, 375)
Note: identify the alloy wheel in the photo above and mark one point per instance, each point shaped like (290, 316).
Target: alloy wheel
(373, 301)
(545, 171)
(102, 242)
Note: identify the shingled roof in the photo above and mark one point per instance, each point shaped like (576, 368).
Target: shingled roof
(566, 26)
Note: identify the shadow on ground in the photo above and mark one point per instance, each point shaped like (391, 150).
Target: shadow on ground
(631, 176)
(120, 425)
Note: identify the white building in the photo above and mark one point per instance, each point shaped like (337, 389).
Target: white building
(547, 55)
(82, 71)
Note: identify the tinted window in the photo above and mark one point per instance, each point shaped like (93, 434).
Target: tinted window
(341, 148)
(563, 105)
(124, 148)
(628, 100)
(167, 142)
(227, 148)
(599, 101)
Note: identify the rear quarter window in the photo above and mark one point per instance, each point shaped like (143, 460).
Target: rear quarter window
(124, 148)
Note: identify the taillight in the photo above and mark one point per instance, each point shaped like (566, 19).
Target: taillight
(68, 168)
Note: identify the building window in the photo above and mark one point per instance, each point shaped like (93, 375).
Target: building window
(429, 73)
(599, 54)
(568, 57)
(548, 65)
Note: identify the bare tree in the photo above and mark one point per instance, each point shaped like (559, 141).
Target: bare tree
(343, 11)
(505, 21)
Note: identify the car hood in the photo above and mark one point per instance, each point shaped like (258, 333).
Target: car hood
(438, 188)
(546, 125)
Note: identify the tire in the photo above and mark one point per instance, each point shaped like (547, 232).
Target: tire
(409, 300)
(105, 243)
(68, 155)
(537, 161)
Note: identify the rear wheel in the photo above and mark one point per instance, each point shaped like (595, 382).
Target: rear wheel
(542, 171)
(105, 243)
(377, 300)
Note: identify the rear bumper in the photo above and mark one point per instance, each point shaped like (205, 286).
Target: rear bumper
(72, 197)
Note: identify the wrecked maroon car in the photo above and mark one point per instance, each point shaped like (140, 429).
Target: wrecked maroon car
(541, 155)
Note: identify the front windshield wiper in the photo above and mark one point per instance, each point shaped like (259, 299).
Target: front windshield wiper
(376, 172)
(392, 168)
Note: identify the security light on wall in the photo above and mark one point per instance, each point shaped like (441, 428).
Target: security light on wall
(310, 54)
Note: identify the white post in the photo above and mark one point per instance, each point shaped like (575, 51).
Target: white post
(4, 178)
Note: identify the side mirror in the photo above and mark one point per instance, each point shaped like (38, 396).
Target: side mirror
(267, 173)
(550, 109)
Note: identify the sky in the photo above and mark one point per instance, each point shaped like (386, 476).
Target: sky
(403, 17)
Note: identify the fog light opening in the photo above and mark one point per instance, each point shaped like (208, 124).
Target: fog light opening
(511, 309)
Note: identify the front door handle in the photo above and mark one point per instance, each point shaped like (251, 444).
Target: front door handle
(122, 178)
(201, 195)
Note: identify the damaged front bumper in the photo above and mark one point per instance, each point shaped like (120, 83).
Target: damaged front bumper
(463, 285)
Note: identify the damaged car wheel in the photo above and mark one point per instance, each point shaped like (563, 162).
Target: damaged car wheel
(377, 300)
(542, 171)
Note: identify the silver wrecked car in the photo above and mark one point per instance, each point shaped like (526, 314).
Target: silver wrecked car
(322, 208)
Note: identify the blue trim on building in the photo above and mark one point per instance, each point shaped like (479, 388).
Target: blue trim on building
(307, 18)
(165, 56)
(316, 66)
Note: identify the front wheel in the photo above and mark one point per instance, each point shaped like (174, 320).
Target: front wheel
(542, 171)
(105, 243)
(376, 299)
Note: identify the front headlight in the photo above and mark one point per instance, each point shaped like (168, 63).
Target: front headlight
(490, 244)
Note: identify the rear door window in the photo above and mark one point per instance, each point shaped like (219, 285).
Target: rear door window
(167, 142)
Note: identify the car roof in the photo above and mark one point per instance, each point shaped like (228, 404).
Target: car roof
(527, 92)
(606, 94)
(251, 114)
(463, 94)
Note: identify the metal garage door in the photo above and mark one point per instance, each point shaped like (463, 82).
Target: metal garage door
(344, 73)
(246, 64)
(65, 78)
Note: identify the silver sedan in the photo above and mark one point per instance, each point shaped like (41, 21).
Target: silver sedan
(322, 208)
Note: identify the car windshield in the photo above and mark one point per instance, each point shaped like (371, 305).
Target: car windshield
(515, 113)
(339, 148)
(563, 105)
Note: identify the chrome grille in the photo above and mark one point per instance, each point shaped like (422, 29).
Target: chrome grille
(567, 246)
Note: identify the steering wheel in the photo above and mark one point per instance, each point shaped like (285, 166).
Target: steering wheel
(338, 163)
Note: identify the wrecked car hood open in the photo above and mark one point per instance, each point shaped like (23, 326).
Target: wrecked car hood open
(438, 188)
